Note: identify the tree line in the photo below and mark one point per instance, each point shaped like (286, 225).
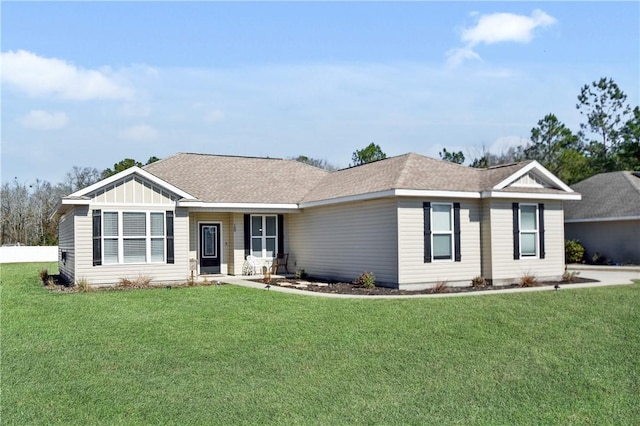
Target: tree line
(607, 140)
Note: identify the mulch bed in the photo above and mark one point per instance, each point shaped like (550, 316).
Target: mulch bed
(337, 287)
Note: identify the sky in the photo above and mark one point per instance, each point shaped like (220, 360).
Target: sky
(88, 84)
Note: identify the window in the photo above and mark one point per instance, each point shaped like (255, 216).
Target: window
(264, 236)
(442, 235)
(528, 231)
(441, 232)
(132, 237)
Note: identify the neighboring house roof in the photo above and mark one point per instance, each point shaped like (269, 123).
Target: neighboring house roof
(606, 196)
(229, 179)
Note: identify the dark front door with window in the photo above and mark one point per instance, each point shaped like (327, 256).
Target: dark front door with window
(209, 248)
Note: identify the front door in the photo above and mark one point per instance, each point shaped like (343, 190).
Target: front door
(209, 248)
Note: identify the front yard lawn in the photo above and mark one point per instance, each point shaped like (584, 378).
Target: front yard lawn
(232, 355)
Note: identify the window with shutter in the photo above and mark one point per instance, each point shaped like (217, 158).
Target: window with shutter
(528, 230)
(441, 231)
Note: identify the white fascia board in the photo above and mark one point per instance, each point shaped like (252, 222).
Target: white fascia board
(194, 204)
(392, 193)
(602, 219)
(574, 196)
(350, 198)
(539, 168)
(75, 201)
(133, 170)
(422, 193)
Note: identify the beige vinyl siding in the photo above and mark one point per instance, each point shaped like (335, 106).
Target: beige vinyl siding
(111, 274)
(66, 243)
(618, 241)
(504, 266)
(227, 238)
(413, 269)
(341, 241)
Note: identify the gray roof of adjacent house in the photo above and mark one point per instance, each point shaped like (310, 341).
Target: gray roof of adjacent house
(232, 179)
(606, 196)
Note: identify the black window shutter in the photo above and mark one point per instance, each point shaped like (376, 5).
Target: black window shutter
(456, 232)
(516, 230)
(541, 228)
(426, 207)
(247, 235)
(280, 248)
(97, 237)
(170, 249)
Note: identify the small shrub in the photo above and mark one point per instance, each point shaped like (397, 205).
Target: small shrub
(573, 251)
(479, 282)
(528, 280)
(300, 274)
(141, 281)
(82, 285)
(570, 277)
(366, 280)
(44, 276)
(267, 276)
(440, 287)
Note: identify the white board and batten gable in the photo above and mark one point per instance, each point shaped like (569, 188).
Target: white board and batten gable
(131, 187)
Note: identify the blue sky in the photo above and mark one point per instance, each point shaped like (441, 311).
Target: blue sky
(88, 84)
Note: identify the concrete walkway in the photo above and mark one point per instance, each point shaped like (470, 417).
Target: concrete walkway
(605, 275)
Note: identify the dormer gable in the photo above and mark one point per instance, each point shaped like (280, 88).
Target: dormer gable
(533, 175)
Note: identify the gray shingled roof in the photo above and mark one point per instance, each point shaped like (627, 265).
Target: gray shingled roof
(607, 195)
(409, 171)
(229, 179)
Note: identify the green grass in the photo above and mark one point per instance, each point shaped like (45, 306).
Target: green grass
(231, 355)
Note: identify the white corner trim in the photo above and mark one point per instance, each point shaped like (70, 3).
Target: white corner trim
(539, 168)
(602, 219)
(133, 170)
(532, 195)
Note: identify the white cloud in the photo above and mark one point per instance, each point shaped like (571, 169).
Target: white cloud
(51, 77)
(43, 120)
(457, 56)
(498, 28)
(502, 27)
(139, 132)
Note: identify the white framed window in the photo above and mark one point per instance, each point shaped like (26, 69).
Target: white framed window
(442, 231)
(133, 237)
(264, 235)
(529, 230)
